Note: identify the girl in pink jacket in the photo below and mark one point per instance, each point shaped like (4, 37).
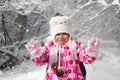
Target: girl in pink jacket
(62, 54)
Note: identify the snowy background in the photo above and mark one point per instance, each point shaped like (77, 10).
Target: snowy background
(22, 20)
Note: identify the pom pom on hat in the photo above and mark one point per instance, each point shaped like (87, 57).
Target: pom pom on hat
(59, 24)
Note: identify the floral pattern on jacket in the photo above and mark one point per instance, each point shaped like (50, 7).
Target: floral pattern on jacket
(70, 65)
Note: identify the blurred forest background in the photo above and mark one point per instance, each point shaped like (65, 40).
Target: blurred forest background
(23, 20)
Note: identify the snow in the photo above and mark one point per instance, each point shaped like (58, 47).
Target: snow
(105, 67)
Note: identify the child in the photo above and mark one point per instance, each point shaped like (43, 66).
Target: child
(62, 54)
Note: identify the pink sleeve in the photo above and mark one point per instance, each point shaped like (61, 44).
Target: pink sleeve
(83, 55)
(40, 60)
(44, 57)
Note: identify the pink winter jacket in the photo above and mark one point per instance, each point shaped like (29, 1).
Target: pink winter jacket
(70, 65)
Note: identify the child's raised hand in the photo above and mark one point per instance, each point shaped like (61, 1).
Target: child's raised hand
(32, 45)
(93, 45)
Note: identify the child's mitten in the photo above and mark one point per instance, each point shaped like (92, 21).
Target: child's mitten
(33, 47)
(93, 45)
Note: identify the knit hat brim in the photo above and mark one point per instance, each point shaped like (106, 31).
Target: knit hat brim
(59, 29)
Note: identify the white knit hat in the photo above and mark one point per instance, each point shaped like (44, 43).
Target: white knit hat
(60, 24)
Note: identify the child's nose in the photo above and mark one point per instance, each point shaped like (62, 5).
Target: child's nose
(61, 35)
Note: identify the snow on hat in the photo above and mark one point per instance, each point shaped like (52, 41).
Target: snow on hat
(60, 24)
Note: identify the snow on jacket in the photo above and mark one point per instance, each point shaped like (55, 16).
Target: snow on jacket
(68, 63)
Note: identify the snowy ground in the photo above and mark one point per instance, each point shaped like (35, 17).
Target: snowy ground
(106, 67)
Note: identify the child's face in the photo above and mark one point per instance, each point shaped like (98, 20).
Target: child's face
(61, 38)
